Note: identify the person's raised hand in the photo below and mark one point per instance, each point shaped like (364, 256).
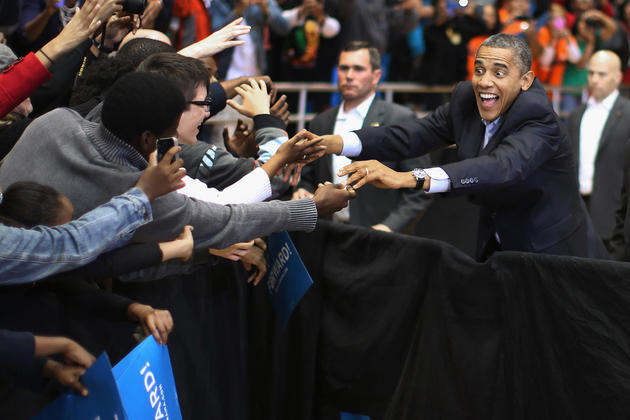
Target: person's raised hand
(242, 143)
(255, 98)
(151, 12)
(163, 177)
(84, 23)
(280, 109)
(330, 198)
(377, 174)
(220, 40)
(157, 322)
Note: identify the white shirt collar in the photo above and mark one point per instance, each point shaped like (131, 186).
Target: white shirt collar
(607, 102)
(362, 108)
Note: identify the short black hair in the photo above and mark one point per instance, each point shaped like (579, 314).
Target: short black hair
(28, 204)
(185, 72)
(375, 55)
(141, 101)
(102, 73)
(137, 50)
(516, 44)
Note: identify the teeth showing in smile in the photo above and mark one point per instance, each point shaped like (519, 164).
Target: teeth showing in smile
(488, 96)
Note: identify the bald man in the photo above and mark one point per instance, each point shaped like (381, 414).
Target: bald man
(146, 33)
(598, 131)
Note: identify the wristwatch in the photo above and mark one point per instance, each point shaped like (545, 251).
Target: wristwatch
(420, 176)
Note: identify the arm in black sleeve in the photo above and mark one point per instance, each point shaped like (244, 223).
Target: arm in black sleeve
(17, 359)
(218, 97)
(120, 261)
(408, 139)
(86, 298)
(56, 92)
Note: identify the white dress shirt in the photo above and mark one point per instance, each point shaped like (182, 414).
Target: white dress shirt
(346, 122)
(243, 59)
(591, 128)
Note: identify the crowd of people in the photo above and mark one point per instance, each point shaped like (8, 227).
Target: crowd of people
(100, 82)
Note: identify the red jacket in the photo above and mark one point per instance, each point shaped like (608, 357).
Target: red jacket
(19, 80)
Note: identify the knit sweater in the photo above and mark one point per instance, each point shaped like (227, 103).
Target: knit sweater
(87, 163)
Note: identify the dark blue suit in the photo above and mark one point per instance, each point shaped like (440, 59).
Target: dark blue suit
(524, 179)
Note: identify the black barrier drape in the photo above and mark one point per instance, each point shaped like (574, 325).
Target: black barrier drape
(397, 327)
(412, 328)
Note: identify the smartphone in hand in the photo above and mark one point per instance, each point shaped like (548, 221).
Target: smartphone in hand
(163, 146)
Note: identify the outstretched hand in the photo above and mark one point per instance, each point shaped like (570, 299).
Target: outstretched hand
(375, 173)
(330, 198)
(234, 252)
(255, 98)
(220, 40)
(163, 177)
(242, 143)
(280, 108)
(84, 23)
(302, 148)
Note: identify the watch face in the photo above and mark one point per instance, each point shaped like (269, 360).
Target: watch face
(419, 174)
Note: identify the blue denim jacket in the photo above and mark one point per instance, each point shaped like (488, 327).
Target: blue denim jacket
(32, 254)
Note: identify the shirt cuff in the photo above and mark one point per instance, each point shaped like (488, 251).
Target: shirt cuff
(440, 182)
(351, 144)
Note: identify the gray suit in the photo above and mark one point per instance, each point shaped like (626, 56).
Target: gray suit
(608, 176)
(398, 209)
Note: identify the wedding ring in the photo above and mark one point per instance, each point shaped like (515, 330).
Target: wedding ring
(367, 171)
(304, 157)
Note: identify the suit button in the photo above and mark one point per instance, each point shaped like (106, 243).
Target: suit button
(463, 180)
(476, 180)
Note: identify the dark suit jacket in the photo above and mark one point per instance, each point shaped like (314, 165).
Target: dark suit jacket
(609, 164)
(398, 209)
(620, 242)
(524, 179)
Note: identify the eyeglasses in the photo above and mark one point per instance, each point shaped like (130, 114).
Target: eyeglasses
(205, 103)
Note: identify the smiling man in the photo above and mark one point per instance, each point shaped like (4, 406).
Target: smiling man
(515, 160)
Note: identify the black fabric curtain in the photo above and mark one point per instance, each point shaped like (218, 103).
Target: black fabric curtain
(395, 327)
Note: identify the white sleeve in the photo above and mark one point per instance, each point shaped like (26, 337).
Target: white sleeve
(440, 182)
(252, 188)
(351, 144)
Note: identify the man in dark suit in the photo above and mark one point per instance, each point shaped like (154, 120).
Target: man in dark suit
(515, 157)
(598, 131)
(387, 210)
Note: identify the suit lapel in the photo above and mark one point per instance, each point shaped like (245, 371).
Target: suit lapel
(374, 116)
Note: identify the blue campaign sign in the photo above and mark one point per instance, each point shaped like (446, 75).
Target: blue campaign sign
(287, 278)
(103, 400)
(146, 383)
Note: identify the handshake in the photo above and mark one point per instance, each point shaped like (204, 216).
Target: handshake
(304, 148)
